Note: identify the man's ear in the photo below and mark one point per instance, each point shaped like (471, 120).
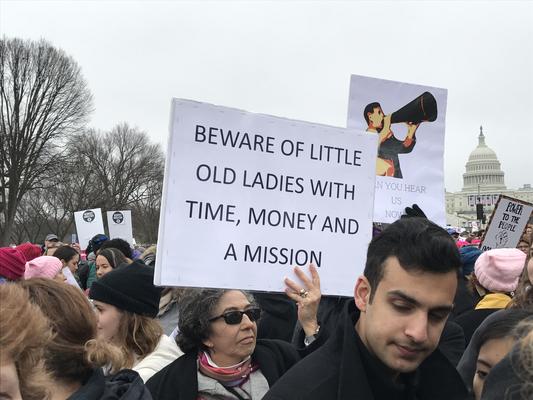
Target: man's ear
(362, 293)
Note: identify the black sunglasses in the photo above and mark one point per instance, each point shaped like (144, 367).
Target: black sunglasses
(235, 317)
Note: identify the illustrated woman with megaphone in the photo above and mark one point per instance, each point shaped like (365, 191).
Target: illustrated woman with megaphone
(423, 108)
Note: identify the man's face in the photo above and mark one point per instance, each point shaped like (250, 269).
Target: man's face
(403, 324)
(375, 119)
(50, 243)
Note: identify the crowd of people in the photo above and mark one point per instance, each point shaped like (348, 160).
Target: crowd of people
(432, 317)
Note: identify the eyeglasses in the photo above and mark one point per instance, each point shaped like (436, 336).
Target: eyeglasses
(235, 317)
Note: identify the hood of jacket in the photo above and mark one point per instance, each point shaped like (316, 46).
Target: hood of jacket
(124, 385)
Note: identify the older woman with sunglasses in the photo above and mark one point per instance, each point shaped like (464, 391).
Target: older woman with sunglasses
(223, 359)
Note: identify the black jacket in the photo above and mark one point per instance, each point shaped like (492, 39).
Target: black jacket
(341, 370)
(471, 320)
(179, 380)
(124, 385)
(278, 317)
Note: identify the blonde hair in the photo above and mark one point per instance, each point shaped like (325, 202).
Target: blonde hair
(24, 333)
(137, 336)
(75, 352)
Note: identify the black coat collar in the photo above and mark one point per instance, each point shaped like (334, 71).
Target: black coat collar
(436, 378)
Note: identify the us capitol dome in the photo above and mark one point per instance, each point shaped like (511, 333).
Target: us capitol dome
(483, 182)
(483, 168)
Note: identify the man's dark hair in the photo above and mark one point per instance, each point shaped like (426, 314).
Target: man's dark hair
(120, 244)
(370, 109)
(417, 243)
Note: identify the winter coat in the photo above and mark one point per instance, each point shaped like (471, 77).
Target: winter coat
(124, 385)
(464, 301)
(278, 317)
(343, 369)
(488, 305)
(179, 380)
(452, 342)
(165, 352)
(168, 314)
(329, 312)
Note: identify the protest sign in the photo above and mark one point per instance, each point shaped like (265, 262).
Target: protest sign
(409, 121)
(88, 224)
(507, 222)
(248, 196)
(71, 280)
(120, 226)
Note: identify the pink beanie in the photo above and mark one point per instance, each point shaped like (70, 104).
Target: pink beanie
(11, 263)
(498, 270)
(43, 267)
(29, 250)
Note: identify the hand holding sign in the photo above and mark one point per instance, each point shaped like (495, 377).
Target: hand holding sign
(307, 298)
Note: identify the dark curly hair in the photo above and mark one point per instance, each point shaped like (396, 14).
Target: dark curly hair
(195, 309)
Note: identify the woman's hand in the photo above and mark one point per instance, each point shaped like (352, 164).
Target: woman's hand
(307, 298)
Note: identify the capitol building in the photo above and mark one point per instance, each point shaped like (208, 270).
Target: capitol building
(483, 182)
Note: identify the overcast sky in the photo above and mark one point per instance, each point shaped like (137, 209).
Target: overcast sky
(294, 59)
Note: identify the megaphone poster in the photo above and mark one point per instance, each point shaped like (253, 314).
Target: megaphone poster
(409, 120)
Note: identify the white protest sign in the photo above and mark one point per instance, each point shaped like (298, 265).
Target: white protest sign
(248, 196)
(120, 226)
(409, 121)
(506, 224)
(88, 223)
(67, 273)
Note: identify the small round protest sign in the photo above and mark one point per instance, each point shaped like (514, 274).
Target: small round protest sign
(118, 217)
(88, 216)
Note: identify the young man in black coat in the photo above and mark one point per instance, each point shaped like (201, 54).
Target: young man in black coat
(385, 344)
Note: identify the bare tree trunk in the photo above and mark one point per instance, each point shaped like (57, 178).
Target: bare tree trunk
(43, 98)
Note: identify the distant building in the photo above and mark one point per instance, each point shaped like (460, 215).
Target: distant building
(483, 181)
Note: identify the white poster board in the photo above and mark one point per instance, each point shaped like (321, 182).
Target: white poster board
(120, 226)
(88, 223)
(410, 169)
(71, 280)
(506, 224)
(241, 208)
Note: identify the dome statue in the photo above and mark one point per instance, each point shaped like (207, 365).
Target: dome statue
(483, 170)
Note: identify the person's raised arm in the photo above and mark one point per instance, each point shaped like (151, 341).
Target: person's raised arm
(307, 298)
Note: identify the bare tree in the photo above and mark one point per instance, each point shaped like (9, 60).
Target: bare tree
(126, 172)
(146, 213)
(43, 98)
(124, 162)
(120, 169)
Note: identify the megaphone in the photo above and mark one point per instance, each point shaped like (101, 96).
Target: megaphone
(423, 108)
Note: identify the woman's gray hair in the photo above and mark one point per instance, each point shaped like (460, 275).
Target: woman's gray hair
(195, 309)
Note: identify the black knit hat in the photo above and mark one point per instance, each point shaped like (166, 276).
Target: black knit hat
(129, 287)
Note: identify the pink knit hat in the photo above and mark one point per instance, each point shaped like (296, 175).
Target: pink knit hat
(498, 270)
(29, 250)
(43, 267)
(11, 263)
